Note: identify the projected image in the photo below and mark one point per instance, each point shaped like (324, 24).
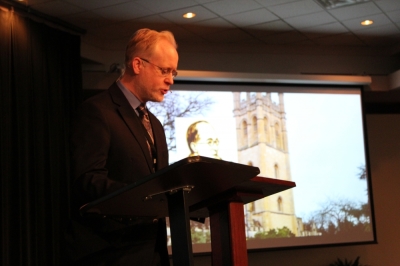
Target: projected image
(202, 139)
(213, 137)
(313, 139)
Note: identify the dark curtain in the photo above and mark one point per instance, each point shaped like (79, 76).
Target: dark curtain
(40, 85)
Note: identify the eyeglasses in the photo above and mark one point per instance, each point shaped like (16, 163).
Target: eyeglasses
(164, 71)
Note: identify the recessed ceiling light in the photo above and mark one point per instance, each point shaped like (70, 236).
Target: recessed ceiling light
(189, 15)
(367, 22)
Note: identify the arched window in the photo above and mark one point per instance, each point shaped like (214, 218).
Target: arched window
(280, 204)
(276, 171)
(255, 131)
(278, 136)
(244, 133)
(266, 133)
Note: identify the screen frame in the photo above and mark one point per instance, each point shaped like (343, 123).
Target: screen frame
(275, 83)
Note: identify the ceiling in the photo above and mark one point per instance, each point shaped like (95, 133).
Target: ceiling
(109, 23)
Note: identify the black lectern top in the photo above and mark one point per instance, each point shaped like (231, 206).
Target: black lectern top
(203, 177)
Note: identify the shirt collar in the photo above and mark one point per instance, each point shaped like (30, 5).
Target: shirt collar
(133, 101)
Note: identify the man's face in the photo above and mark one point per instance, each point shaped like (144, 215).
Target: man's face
(207, 145)
(152, 85)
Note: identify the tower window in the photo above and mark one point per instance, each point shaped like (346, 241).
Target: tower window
(278, 136)
(276, 171)
(244, 133)
(280, 207)
(244, 128)
(266, 129)
(255, 131)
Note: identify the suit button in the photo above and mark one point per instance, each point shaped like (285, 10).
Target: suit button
(155, 221)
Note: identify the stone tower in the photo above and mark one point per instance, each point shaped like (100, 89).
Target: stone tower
(262, 142)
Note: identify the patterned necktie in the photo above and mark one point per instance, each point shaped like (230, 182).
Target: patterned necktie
(144, 117)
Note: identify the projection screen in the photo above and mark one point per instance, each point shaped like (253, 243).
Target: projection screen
(311, 133)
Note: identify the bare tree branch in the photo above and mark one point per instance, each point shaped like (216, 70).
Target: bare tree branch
(178, 105)
(362, 172)
(340, 216)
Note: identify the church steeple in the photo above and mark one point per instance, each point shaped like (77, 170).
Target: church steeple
(260, 120)
(262, 142)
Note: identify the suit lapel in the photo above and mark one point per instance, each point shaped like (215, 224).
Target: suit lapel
(131, 120)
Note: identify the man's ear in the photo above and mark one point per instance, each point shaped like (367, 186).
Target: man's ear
(136, 64)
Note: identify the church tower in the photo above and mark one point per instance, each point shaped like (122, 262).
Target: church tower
(262, 142)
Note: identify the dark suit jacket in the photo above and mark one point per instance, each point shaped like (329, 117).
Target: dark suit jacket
(109, 151)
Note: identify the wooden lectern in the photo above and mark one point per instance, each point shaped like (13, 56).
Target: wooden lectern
(195, 187)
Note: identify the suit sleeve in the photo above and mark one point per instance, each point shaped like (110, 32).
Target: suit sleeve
(90, 143)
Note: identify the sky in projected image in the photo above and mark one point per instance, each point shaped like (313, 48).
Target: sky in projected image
(325, 138)
(326, 148)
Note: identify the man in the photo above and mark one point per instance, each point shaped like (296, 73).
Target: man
(202, 140)
(111, 148)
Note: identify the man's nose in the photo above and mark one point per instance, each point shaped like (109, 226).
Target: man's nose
(169, 79)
